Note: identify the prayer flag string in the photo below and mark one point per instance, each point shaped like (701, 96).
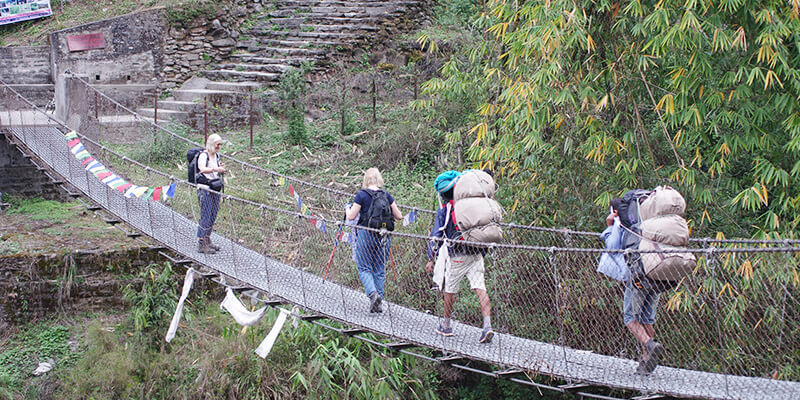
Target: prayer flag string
(111, 179)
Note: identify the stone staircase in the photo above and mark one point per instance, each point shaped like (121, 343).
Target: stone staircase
(293, 33)
(313, 31)
(186, 105)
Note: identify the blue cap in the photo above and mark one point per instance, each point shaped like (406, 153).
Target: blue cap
(445, 181)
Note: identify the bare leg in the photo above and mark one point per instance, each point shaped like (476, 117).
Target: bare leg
(483, 300)
(449, 299)
(640, 332)
(650, 330)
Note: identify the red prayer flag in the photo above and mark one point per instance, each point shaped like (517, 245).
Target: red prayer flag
(157, 194)
(73, 142)
(123, 188)
(104, 175)
(87, 160)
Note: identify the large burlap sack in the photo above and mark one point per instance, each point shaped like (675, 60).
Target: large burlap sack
(663, 201)
(491, 233)
(474, 183)
(667, 229)
(665, 266)
(479, 212)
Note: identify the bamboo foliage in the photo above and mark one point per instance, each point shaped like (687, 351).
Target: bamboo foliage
(594, 97)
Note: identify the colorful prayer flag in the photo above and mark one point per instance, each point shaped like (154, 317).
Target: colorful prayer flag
(71, 135)
(171, 190)
(139, 191)
(157, 194)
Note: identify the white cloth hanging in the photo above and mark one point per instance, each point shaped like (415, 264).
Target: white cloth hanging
(443, 258)
(243, 317)
(266, 345)
(442, 265)
(187, 286)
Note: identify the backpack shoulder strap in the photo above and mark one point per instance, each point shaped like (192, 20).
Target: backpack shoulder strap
(447, 216)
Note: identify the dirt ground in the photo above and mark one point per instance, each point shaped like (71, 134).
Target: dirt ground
(73, 229)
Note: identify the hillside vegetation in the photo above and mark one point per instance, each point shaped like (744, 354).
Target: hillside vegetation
(573, 102)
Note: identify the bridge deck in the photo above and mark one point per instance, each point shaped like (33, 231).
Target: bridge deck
(398, 322)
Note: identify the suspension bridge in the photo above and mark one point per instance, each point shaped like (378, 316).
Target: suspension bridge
(731, 329)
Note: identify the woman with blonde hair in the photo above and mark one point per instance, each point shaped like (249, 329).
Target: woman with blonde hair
(376, 209)
(211, 169)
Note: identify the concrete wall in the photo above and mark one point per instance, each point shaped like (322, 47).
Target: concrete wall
(133, 53)
(27, 70)
(30, 65)
(19, 176)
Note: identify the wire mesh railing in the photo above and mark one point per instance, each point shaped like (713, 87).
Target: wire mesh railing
(737, 314)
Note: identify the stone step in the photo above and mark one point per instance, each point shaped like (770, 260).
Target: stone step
(236, 87)
(164, 114)
(267, 77)
(338, 28)
(296, 21)
(338, 36)
(262, 67)
(297, 43)
(199, 94)
(260, 59)
(293, 51)
(178, 105)
(349, 12)
(304, 4)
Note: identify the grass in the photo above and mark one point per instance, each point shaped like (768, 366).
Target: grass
(41, 210)
(69, 14)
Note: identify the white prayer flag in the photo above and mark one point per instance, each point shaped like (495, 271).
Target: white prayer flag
(243, 317)
(266, 345)
(187, 286)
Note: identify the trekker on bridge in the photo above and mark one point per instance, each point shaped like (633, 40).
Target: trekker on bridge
(638, 305)
(464, 260)
(375, 208)
(209, 165)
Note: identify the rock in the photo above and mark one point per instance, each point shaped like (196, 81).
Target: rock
(227, 42)
(216, 25)
(43, 367)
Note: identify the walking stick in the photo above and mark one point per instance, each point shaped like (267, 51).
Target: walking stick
(333, 251)
(394, 267)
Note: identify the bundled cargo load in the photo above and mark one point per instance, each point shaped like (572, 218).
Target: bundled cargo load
(475, 211)
(660, 226)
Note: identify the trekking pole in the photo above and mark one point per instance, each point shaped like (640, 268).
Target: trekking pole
(394, 267)
(333, 251)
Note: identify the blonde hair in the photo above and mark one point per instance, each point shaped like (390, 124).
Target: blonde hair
(212, 141)
(372, 178)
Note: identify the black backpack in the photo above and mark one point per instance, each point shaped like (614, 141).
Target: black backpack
(191, 159)
(380, 214)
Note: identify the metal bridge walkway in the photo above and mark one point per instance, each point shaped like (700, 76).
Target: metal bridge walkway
(401, 324)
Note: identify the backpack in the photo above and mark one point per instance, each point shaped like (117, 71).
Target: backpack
(191, 159)
(476, 213)
(380, 214)
(655, 224)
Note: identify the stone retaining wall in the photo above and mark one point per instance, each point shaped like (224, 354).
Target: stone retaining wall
(37, 286)
(19, 176)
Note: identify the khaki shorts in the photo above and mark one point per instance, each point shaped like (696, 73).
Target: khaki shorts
(470, 265)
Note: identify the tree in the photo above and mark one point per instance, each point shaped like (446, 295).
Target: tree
(578, 98)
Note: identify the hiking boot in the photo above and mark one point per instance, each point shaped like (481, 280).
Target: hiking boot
(486, 335)
(375, 303)
(641, 369)
(211, 244)
(445, 331)
(653, 355)
(203, 247)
